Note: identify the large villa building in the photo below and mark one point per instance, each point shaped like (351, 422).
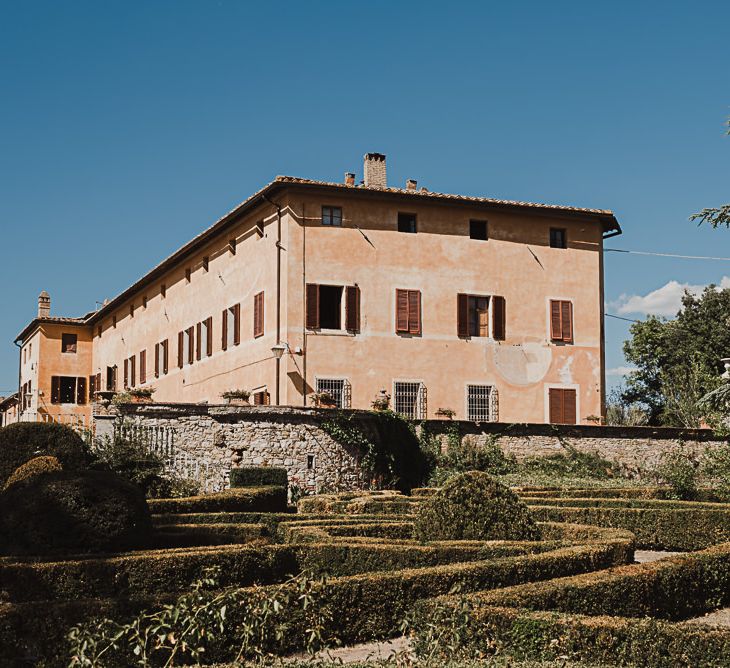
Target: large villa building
(486, 309)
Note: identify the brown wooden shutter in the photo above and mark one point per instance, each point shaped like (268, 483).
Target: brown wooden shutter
(55, 389)
(92, 387)
(98, 382)
(191, 345)
(499, 318)
(352, 308)
(569, 407)
(81, 390)
(462, 315)
(236, 324)
(132, 371)
(224, 330)
(180, 351)
(126, 373)
(198, 342)
(258, 315)
(209, 340)
(143, 366)
(165, 356)
(312, 306)
(566, 311)
(157, 360)
(556, 321)
(556, 405)
(401, 310)
(414, 311)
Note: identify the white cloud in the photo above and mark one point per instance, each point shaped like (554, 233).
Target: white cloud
(664, 301)
(621, 371)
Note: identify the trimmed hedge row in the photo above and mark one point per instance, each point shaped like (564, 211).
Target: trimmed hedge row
(359, 503)
(530, 620)
(613, 493)
(258, 476)
(672, 529)
(625, 503)
(198, 535)
(242, 499)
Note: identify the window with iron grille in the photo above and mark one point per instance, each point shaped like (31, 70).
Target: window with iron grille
(409, 399)
(481, 404)
(332, 215)
(337, 388)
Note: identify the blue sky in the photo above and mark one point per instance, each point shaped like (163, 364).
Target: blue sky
(127, 127)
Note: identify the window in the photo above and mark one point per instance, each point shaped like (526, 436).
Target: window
(114, 321)
(561, 320)
(131, 310)
(68, 390)
(163, 291)
(111, 379)
(232, 246)
(98, 331)
(204, 339)
(562, 405)
(407, 223)
(258, 315)
(142, 366)
(409, 399)
(188, 274)
(337, 388)
(69, 343)
(408, 312)
(231, 327)
(332, 215)
(481, 404)
(261, 398)
(206, 263)
(94, 386)
(130, 372)
(310, 462)
(144, 301)
(324, 307)
(558, 238)
(478, 230)
(161, 358)
(472, 315)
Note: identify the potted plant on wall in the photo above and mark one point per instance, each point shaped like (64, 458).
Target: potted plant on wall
(445, 413)
(381, 401)
(141, 395)
(324, 400)
(236, 397)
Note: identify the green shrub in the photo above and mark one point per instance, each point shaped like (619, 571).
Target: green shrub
(241, 499)
(474, 506)
(32, 468)
(571, 462)
(716, 468)
(23, 441)
(92, 511)
(258, 476)
(680, 470)
(463, 454)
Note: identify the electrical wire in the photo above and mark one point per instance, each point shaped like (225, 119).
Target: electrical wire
(673, 255)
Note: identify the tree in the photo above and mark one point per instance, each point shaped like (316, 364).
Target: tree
(716, 217)
(678, 361)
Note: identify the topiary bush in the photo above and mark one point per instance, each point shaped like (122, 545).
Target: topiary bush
(258, 476)
(474, 506)
(65, 511)
(35, 467)
(23, 441)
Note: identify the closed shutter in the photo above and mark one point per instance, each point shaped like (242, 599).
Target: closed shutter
(352, 308)
(198, 341)
(157, 360)
(209, 340)
(55, 389)
(258, 315)
(499, 318)
(462, 315)
(312, 306)
(92, 387)
(224, 330)
(126, 373)
(401, 310)
(569, 407)
(191, 345)
(414, 312)
(132, 371)
(556, 405)
(98, 382)
(143, 366)
(180, 349)
(566, 309)
(236, 324)
(556, 321)
(165, 357)
(81, 390)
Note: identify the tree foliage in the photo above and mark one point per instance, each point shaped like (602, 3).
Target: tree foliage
(714, 216)
(678, 361)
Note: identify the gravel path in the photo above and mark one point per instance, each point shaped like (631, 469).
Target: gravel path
(647, 556)
(717, 618)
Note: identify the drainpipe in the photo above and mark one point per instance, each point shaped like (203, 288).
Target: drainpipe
(278, 292)
(20, 371)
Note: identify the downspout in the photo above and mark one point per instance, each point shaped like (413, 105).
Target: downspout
(20, 371)
(304, 301)
(278, 294)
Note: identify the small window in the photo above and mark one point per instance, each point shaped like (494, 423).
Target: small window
(232, 246)
(479, 403)
(562, 406)
(407, 223)
(332, 215)
(163, 291)
(478, 316)
(558, 238)
(478, 230)
(111, 379)
(310, 462)
(206, 263)
(561, 320)
(69, 343)
(131, 310)
(188, 274)
(409, 399)
(260, 229)
(338, 390)
(114, 321)
(144, 301)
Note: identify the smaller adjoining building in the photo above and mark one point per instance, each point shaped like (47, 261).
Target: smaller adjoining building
(8, 409)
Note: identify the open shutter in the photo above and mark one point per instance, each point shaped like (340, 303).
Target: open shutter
(566, 312)
(209, 339)
(92, 387)
(126, 373)
(556, 405)
(414, 311)
(55, 389)
(191, 345)
(157, 360)
(198, 341)
(132, 371)
(224, 330)
(143, 366)
(258, 315)
(556, 321)
(499, 319)
(401, 310)
(180, 349)
(81, 390)
(462, 315)
(352, 308)
(165, 357)
(236, 324)
(312, 306)
(569, 407)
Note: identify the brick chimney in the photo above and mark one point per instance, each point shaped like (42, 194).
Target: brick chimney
(44, 305)
(374, 171)
(349, 179)
(411, 184)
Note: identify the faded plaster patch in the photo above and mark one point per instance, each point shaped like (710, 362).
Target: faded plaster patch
(566, 371)
(524, 363)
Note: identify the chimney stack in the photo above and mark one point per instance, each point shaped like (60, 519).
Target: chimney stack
(374, 171)
(411, 184)
(44, 305)
(349, 179)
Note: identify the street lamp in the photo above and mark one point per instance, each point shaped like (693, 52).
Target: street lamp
(279, 349)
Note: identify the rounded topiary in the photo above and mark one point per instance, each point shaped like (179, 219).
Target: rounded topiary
(474, 506)
(68, 512)
(23, 441)
(34, 467)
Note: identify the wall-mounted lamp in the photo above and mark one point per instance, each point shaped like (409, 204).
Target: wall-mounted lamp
(279, 349)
